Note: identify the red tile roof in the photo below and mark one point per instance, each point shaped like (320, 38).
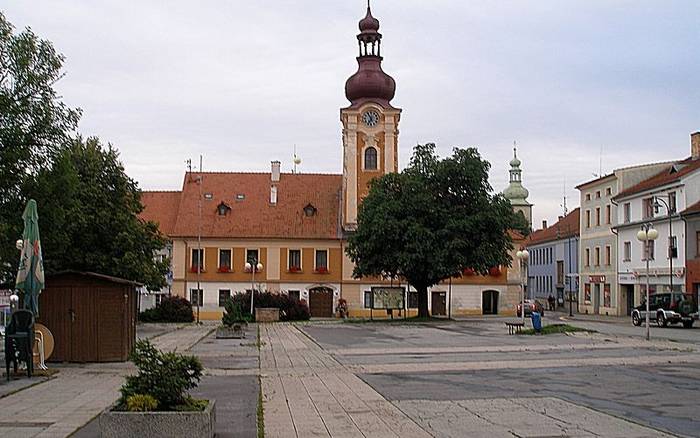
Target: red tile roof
(253, 216)
(670, 174)
(161, 208)
(568, 226)
(693, 209)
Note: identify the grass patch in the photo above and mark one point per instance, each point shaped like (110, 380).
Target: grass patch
(557, 328)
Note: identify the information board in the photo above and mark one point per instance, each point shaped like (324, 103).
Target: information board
(388, 297)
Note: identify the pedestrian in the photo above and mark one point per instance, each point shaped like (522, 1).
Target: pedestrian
(551, 302)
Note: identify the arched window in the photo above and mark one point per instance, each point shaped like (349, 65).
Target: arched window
(370, 158)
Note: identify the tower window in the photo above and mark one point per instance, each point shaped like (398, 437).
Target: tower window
(371, 158)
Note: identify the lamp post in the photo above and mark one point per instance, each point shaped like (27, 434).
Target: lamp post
(647, 234)
(522, 255)
(253, 266)
(657, 203)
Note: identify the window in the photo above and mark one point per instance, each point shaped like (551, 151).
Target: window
(608, 191)
(560, 271)
(225, 260)
(273, 195)
(608, 255)
(597, 256)
(197, 259)
(588, 257)
(627, 212)
(368, 299)
(223, 209)
(588, 196)
(697, 243)
(196, 297)
(413, 299)
(597, 194)
(294, 294)
(597, 216)
(672, 202)
(371, 158)
(607, 296)
(608, 214)
(321, 260)
(628, 251)
(673, 247)
(294, 262)
(648, 208)
(310, 210)
(648, 249)
(252, 256)
(588, 218)
(224, 295)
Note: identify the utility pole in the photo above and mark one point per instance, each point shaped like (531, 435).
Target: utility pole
(200, 260)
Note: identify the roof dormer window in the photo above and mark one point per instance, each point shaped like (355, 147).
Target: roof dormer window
(223, 209)
(310, 210)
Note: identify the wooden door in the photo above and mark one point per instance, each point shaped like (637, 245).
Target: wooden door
(439, 304)
(54, 313)
(84, 335)
(112, 330)
(321, 302)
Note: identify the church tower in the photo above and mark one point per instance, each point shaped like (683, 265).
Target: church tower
(370, 123)
(515, 192)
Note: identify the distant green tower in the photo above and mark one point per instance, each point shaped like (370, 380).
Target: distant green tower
(515, 192)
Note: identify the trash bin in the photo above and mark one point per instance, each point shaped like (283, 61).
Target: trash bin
(536, 321)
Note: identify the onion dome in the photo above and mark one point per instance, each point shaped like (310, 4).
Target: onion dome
(515, 192)
(370, 83)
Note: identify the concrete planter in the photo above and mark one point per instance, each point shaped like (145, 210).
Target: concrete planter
(236, 331)
(267, 314)
(119, 424)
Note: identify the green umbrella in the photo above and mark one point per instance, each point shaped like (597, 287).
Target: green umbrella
(30, 277)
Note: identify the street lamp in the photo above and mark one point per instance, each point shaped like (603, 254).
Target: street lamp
(523, 256)
(252, 266)
(657, 203)
(647, 234)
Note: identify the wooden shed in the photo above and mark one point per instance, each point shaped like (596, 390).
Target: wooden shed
(91, 316)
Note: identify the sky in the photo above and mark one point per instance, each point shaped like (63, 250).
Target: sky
(581, 86)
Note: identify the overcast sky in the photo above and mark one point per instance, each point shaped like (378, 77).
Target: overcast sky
(242, 82)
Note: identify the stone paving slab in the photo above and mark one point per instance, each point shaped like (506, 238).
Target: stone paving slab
(519, 417)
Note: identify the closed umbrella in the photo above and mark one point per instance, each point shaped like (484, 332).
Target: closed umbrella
(30, 277)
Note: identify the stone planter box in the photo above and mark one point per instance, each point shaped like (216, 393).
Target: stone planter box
(236, 331)
(267, 314)
(119, 424)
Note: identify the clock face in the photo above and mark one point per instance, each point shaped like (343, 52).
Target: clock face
(370, 118)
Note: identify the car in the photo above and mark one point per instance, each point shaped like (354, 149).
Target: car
(668, 308)
(531, 305)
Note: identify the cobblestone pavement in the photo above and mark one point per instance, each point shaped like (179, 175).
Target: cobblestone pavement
(77, 393)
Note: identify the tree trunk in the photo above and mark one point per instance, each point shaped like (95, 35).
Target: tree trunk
(422, 301)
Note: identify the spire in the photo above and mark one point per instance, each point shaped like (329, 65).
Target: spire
(515, 192)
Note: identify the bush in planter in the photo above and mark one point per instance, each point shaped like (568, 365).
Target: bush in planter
(141, 403)
(233, 313)
(165, 376)
(291, 309)
(170, 309)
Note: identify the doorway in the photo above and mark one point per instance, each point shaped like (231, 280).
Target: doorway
(596, 298)
(489, 302)
(628, 299)
(439, 304)
(321, 302)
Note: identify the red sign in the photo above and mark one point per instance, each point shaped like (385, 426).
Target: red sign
(596, 278)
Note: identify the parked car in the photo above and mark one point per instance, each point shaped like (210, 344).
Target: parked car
(668, 308)
(530, 306)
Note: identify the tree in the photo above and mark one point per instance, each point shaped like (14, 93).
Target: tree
(34, 124)
(432, 221)
(89, 218)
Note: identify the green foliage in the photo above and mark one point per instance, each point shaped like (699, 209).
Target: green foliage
(431, 221)
(232, 313)
(88, 210)
(553, 329)
(141, 403)
(34, 125)
(165, 376)
(170, 309)
(291, 309)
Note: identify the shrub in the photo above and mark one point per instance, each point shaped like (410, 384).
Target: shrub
(164, 376)
(141, 403)
(170, 309)
(232, 313)
(291, 309)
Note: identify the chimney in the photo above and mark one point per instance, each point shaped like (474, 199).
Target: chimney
(275, 171)
(544, 224)
(695, 145)
(561, 217)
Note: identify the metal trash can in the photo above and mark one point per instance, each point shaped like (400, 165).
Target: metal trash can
(536, 321)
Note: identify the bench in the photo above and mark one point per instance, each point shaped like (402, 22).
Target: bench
(514, 327)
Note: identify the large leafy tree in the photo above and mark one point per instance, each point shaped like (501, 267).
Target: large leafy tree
(34, 124)
(89, 216)
(431, 221)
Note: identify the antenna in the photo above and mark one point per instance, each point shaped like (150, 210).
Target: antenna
(600, 162)
(200, 259)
